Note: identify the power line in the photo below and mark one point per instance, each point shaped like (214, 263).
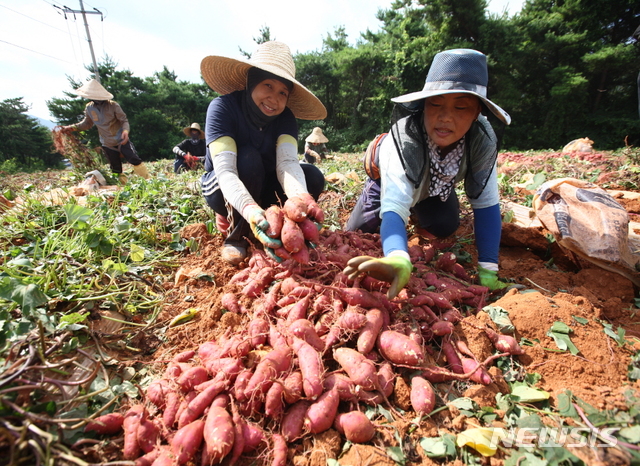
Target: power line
(35, 51)
(36, 20)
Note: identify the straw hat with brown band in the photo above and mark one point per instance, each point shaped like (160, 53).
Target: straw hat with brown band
(93, 90)
(193, 126)
(225, 75)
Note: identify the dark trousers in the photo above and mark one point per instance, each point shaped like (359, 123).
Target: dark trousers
(264, 188)
(129, 153)
(438, 218)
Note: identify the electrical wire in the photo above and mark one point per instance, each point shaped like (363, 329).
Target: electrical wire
(36, 20)
(35, 51)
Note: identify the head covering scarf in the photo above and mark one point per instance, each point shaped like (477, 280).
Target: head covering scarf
(254, 77)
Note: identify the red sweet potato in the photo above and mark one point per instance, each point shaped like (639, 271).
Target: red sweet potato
(504, 343)
(279, 450)
(423, 396)
(148, 434)
(400, 349)
(359, 297)
(310, 230)
(187, 440)
(369, 332)
(311, 367)
(355, 426)
(275, 217)
(302, 256)
(229, 301)
(270, 367)
(253, 436)
(386, 379)
(260, 282)
(184, 356)
(258, 331)
(446, 261)
(273, 405)
(292, 236)
(360, 370)
(322, 413)
(219, 434)
(192, 377)
(442, 327)
(106, 424)
(453, 359)
(292, 425)
(130, 424)
(295, 209)
(347, 390)
(171, 410)
(292, 387)
(304, 329)
(203, 400)
(480, 375)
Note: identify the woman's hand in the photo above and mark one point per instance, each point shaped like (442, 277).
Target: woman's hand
(125, 137)
(254, 214)
(392, 269)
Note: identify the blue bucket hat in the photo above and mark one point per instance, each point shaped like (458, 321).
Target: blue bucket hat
(453, 71)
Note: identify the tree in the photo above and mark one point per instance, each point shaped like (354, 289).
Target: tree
(26, 145)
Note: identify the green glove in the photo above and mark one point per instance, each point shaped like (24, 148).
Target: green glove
(259, 225)
(392, 269)
(489, 278)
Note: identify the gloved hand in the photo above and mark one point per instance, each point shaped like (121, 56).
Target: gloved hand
(489, 278)
(254, 214)
(392, 269)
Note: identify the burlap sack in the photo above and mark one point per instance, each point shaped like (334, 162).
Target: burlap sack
(589, 222)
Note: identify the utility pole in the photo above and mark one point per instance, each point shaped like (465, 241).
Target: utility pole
(86, 27)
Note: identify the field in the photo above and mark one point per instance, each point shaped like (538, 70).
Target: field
(101, 292)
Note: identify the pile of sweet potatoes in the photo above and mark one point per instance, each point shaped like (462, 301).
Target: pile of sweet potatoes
(315, 349)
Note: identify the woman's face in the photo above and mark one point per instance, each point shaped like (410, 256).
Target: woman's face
(448, 117)
(270, 96)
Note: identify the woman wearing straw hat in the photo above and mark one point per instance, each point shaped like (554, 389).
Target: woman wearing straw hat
(113, 128)
(314, 147)
(252, 150)
(191, 151)
(439, 137)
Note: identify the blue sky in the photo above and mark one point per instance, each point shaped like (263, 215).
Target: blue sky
(39, 47)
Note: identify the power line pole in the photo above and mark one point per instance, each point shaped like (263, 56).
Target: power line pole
(86, 27)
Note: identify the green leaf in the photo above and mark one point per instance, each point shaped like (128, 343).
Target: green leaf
(136, 253)
(560, 333)
(565, 405)
(439, 447)
(501, 318)
(464, 403)
(617, 337)
(525, 394)
(632, 433)
(580, 320)
(387, 415)
(29, 297)
(78, 216)
(532, 421)
(396, 454)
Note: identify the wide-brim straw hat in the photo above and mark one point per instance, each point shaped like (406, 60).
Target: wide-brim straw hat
(93, 90)
(225, 75)
(316, 136)
(195, 126)
(453, 71)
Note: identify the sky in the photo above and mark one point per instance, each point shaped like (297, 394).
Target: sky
(40, 45)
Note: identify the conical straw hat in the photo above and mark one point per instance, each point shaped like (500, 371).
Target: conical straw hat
(195, 126)
(316, 136)
(93, 90)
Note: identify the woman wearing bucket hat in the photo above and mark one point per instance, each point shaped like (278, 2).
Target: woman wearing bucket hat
(190, 151)
(439, 137)
(113, 128)
(252, 150)
(314, 147)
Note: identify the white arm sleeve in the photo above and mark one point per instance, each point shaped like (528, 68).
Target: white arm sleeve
(288, 170)
(233, 190)
(397, 191)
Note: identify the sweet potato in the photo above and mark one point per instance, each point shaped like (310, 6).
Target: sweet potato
(359, 297)
(148, 459)
(273, 404)
(107, 424)
(292, 425)
(359, 369)
(292, 237)
(192, 377)
(222, 401)
(295, 209)
(400, 349)
(219, 434)
(184, 356)
(292, 387)
(355, 426)
(372, 398)
(270, 367)
(423, 396)
(369, 332)
(187, 440)
(196, 407)
(310, 230)
(275, 217)
(480, 375)
(453, 359)
(386, 379)
(302, 256)
(238, 436)
(258, 331)
(504, 343)
(256, 287)
(446, 261)
(279, 450)
(164, 457)
(299, 310)
(351, 320)
(130, 424)
(347, 390)
(148, 434)
(229, 301)
(311, 367)
(322, 413)
(442, 327)
(171, 410)
(240, 384)
(304, 329)
(253, 436)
